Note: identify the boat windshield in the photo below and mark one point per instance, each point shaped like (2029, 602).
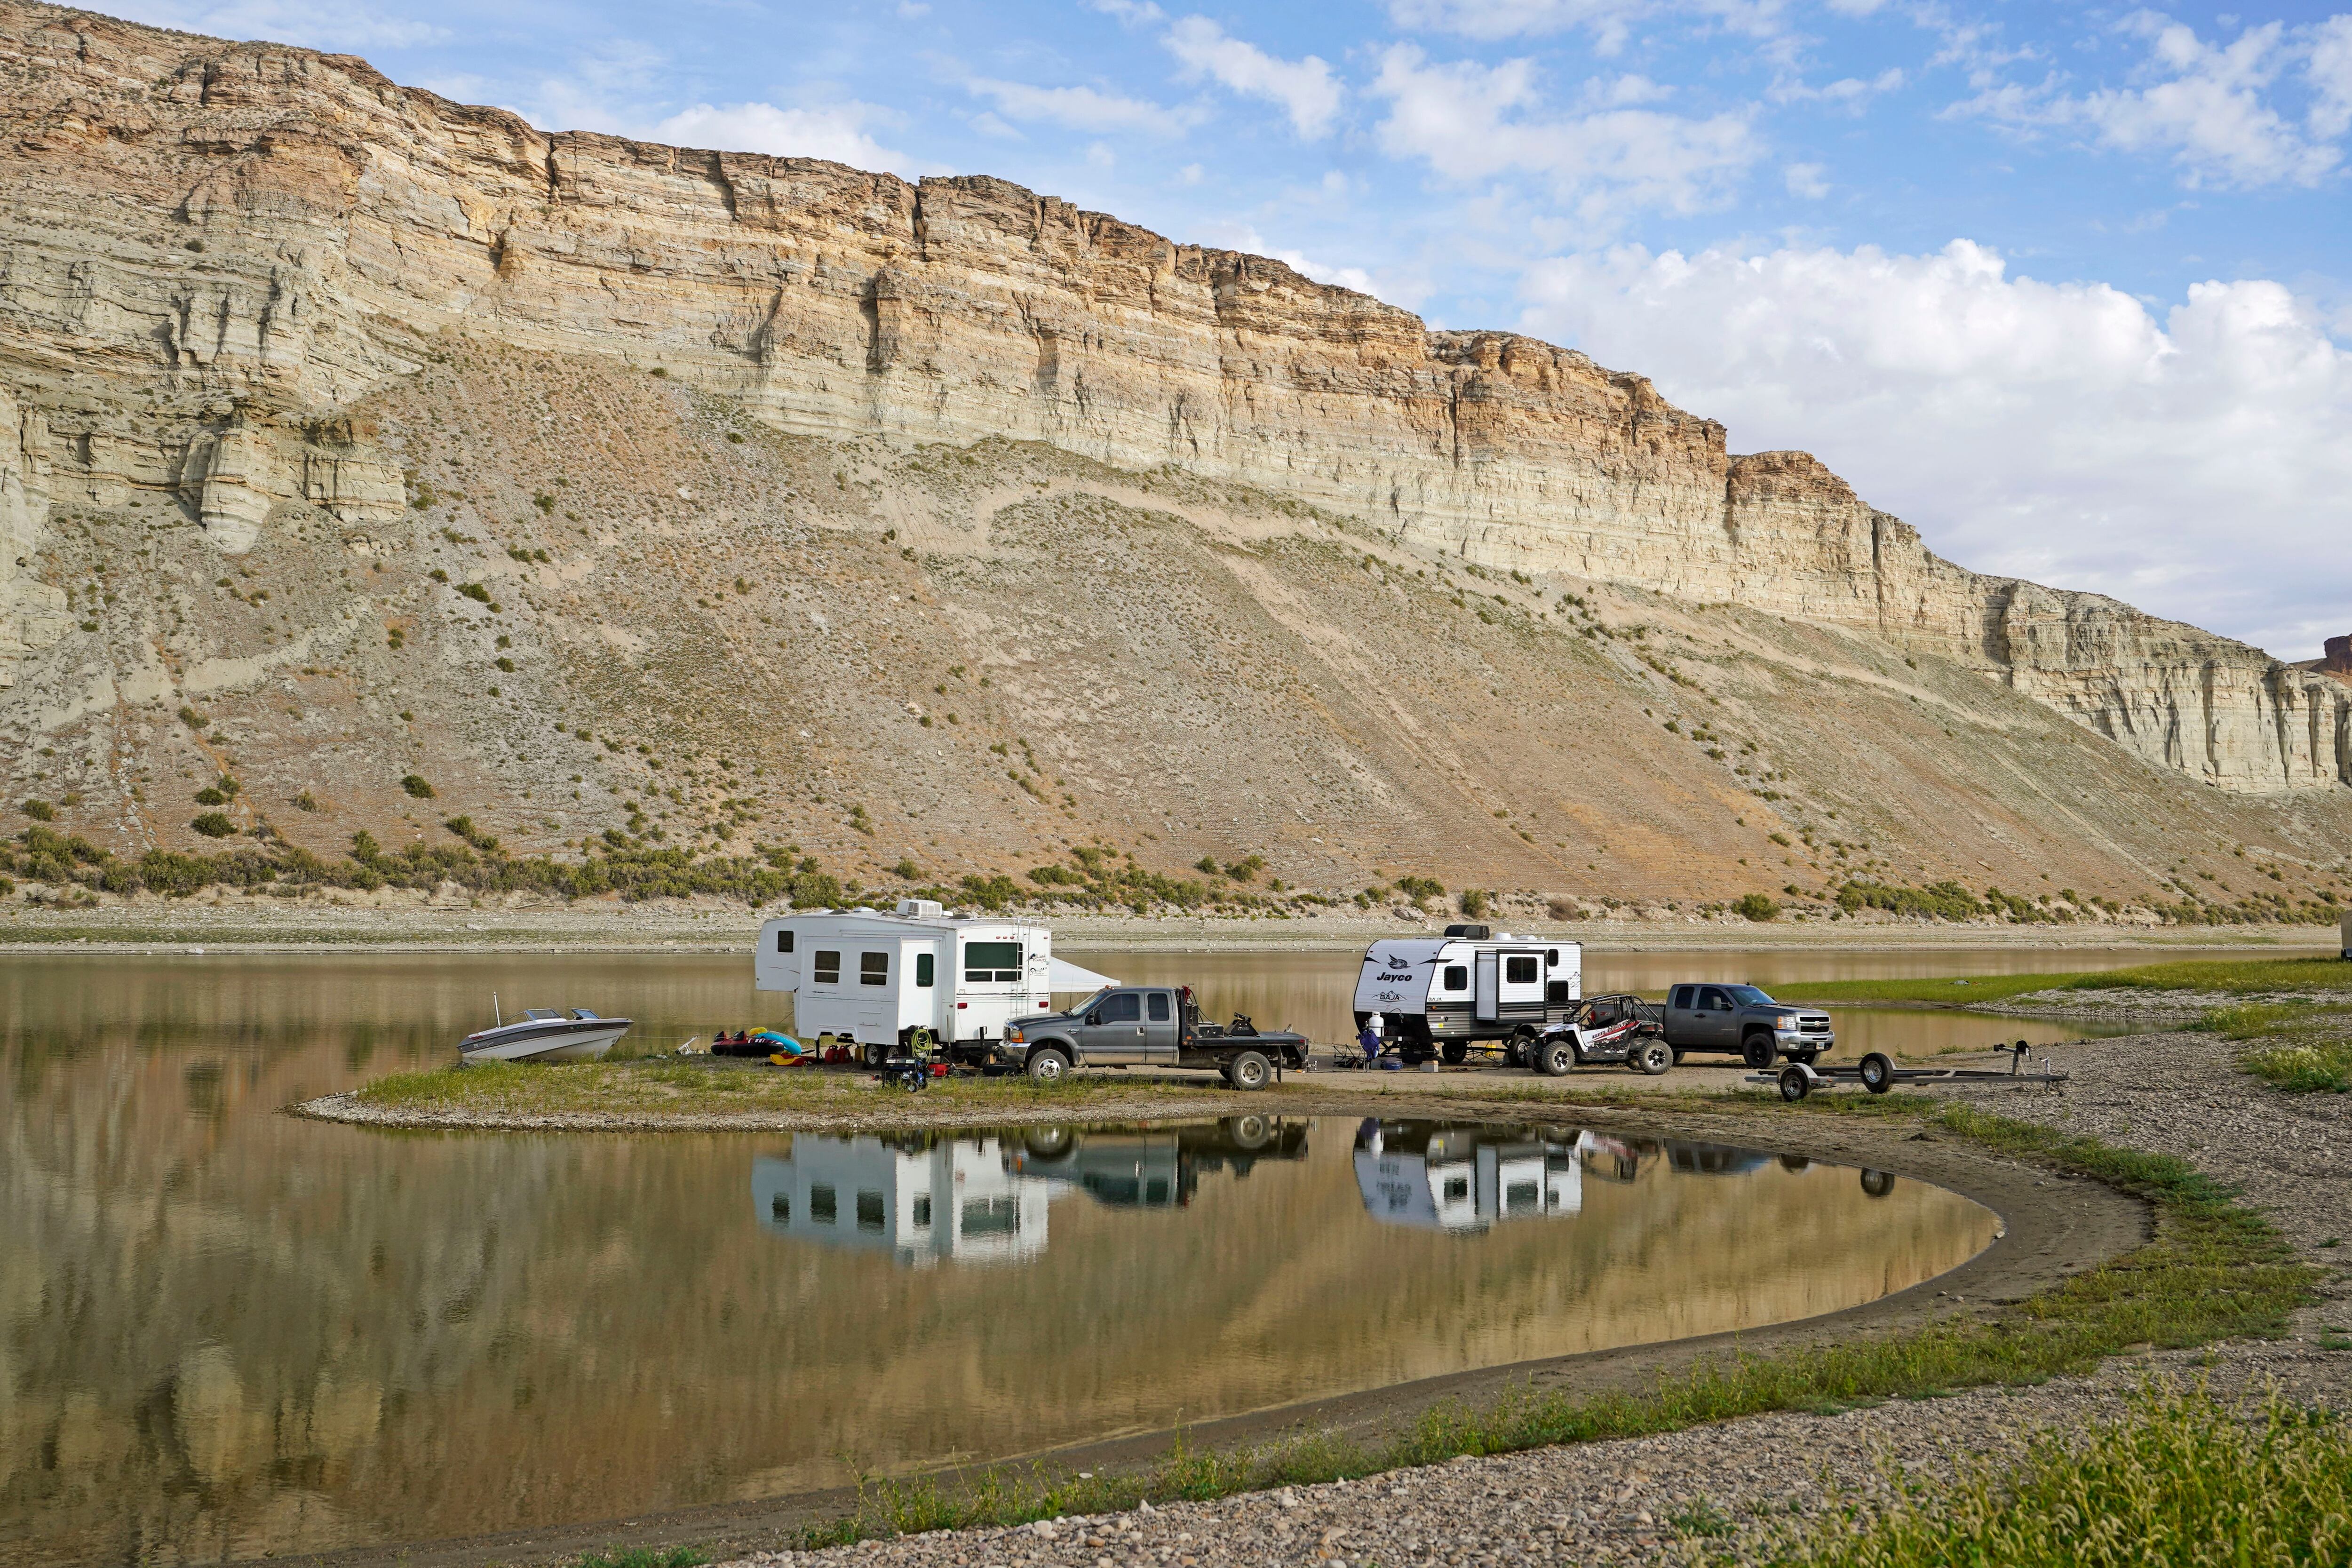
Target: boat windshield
(582, 1013)
(540, 1013)
(1748, 995)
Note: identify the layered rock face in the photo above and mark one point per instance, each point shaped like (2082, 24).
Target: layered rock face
(214, 249)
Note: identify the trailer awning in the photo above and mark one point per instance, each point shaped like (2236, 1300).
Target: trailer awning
(1067, 976)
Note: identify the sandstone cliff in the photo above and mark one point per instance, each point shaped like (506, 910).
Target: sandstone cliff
(289, 354)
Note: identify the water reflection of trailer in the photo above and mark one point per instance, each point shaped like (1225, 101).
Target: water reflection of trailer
(919, 1198)
(1467, 1176)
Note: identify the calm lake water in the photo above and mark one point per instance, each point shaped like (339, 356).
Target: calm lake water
(225, 1332)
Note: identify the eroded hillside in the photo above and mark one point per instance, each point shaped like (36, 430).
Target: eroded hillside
(629, 497)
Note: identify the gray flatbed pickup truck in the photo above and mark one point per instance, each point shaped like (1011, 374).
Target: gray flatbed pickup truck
(1148, 1026)
(1744, 1020)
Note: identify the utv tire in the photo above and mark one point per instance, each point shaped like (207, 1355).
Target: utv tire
(1048, 1066)
(1250, 1071)
(1555, 1059)
(1759, 1051)
(1651, 1057)
(1456, 1052)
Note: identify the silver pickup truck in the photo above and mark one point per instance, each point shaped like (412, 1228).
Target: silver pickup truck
(1743, 1019)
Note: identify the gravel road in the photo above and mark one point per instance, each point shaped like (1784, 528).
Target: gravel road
(1697, 1494)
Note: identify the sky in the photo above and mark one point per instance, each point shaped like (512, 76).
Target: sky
(2068, 287)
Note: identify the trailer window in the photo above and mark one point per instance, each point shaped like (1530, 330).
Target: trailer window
(874, 969)
(923, 1212)
(923, 969)
(826, 970)
(991, 1216)
(1158, 1006)
(1551, 958)
(869, 1211)
(822, 1210)
(1556, 991)
(783, 941)
(1519, 969)
(988, 962)
(1457, 977)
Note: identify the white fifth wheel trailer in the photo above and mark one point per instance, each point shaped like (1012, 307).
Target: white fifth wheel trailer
(1439, 995)
(873, 980)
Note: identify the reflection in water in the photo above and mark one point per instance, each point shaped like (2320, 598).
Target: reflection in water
(924, 1196)
(224, 1332)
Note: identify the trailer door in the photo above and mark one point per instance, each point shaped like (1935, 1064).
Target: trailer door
(1489, 986)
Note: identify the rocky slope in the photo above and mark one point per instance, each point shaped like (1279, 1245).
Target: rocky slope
(1005, 523)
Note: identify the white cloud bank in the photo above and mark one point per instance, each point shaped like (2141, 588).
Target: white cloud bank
(328, 24)
(2194, 463)
(1305, 88)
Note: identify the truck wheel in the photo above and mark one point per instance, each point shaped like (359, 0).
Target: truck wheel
(1795, 1083)
(1456, 1052)
(1048, 1066)
(1759, 1051)
(1250, 1071)
(1877, 1072)
(1651, 1058)
(1555, 1059)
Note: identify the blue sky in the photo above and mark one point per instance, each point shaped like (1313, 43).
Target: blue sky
(2064, 287)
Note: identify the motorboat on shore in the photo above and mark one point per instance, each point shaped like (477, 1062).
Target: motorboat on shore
(545, 1034)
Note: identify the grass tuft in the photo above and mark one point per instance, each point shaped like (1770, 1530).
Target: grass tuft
(2179, 1480)
(645, 1557)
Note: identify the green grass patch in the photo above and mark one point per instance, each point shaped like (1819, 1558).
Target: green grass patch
(2180, 1480)
(2306, 1048)
(2215, 1270)
(688, 1086)
(645, 1557)
(2246, 976)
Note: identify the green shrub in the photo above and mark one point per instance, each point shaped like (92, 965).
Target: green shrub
(213, 825)
(1757, 907)
(416, 787)
(192, 719)
(41, 811)
(1421, 889)
(1473, 903)
(211, 797)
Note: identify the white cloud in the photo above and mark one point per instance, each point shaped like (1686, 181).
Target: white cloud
(2191, 462)
(1084, 108)
(2328, 68)
(1134, 13)
(1609, 21)
(329, 25)
(836, 132)
(1472, 122)
(1243, 238)
(1848, 92)
(1805, 180)
(1304, 89)
(2203, 103)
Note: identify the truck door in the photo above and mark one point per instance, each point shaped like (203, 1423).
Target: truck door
(1159, 1027)
(1114, 1031)
(1711, 1020)
(1490, 994)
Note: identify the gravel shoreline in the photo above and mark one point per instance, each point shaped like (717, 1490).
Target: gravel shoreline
(1719, 1491)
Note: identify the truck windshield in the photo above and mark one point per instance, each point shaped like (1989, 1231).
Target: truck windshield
(1747, 996)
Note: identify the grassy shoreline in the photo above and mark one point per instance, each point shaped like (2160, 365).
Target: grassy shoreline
(2214, 1270)
(2249, 976)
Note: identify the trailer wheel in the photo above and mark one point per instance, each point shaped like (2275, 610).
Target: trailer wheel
(1759, 1051)
(1795, 1083)
(1651, 1058)
(1456, 1052)
(1876, 1184)
(1877, 1072)
(1048, 1066)
(1555, 1059)
(877, 1054)
(1250, 1071)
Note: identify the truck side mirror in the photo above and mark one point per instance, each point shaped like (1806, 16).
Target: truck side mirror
(1094, 1018)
